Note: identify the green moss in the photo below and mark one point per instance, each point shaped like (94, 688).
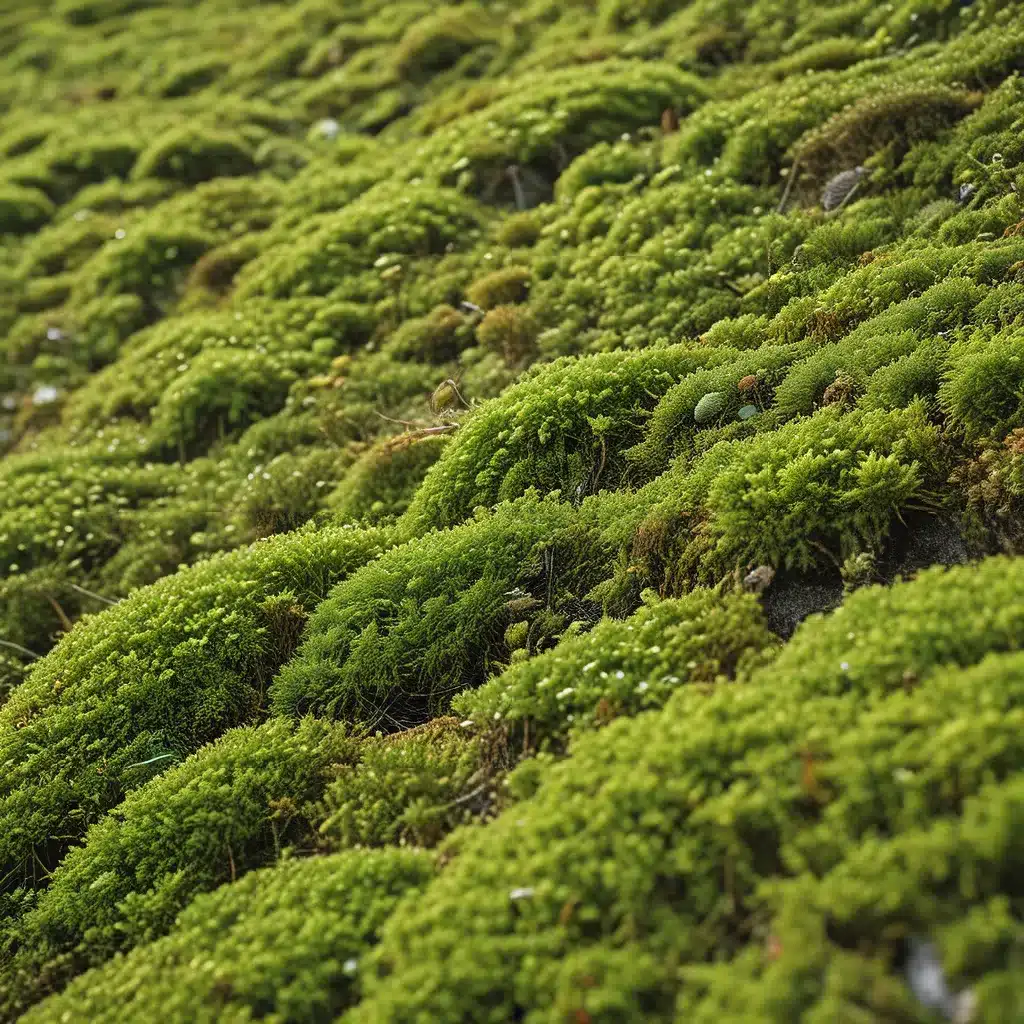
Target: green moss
(382, 481)
(191, 155)
(282, 941)
(392, 645)
(23, 210)
(619, 668)
(408, 789)
(229, 808)
(562, 427)
(67, 737)
(661, 839)
(549, 294)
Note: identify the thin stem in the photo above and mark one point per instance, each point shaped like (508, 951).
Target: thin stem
(89, 593)
(17, 647)
(789, 185)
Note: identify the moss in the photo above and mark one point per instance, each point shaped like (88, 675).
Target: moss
(158, 849)
(662, 838)
(511, 332)
(191, 155)
(507, 286)
(23, 210)
(548, 295)
(158, 634)
(381, 482)
(563, 426)
(281, 941)
(409, 789)
(401, 637)
(619, 668)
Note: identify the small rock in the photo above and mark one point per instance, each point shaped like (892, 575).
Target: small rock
(927, 981)
(967, 191)
(759, 580)
(44, 395)
(328, 128)
(747, 411)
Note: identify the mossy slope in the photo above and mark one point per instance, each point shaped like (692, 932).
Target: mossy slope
(411, 420)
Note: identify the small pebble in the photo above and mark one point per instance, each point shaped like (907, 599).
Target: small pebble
(44, 395)
(759, 580)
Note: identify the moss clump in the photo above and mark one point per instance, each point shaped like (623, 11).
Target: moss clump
(619, 668)
(504, 287)
(191, 655)
(191, 155)
(229, 808)
(794, 780)
(562, 427)
(410, 789)
(391, 646)
(511, 332)
(285, 941)
(23, 210)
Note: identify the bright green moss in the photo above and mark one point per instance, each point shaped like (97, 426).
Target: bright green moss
(983, 387)
(191, 656)
(381, 483)
(349, 253)
(619, 668)
(191, 155)
(507, 286)
(408, 789)
(655, 843)
(563, 427)
(282, 944)
(237, 298)
(396, 641)
(229, 808)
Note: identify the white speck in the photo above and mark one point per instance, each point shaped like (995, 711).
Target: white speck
(54, 334)
(44, 395)
(521, 894)
(350, 966)
(643, 687)
(120, 233)
(845, 666)
(467, 724)
(562, 694)
(620, 674)
(328, 128)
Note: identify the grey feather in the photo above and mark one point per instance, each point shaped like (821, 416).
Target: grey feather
(841, 187)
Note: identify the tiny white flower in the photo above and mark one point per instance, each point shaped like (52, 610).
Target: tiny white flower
(522, 893)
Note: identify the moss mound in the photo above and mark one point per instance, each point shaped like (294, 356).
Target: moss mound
(428, 428)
